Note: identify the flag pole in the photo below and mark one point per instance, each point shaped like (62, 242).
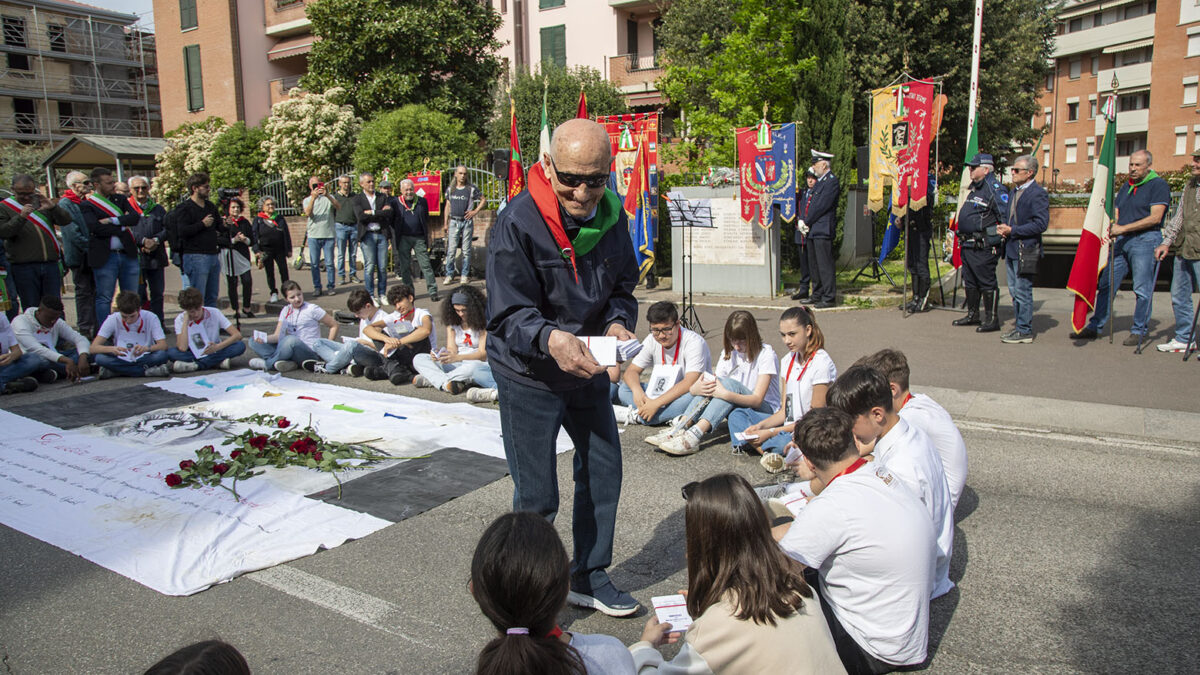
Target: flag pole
(976, 46)
(1112, 243)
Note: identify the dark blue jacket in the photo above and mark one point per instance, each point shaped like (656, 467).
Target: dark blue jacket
(532, 291)
(102, 233)
(817, 209)
(152, 225)
(1029, 220)
(985, 207)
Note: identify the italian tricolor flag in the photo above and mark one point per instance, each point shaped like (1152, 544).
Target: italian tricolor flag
(964, 189)
(516, 171)
(1091, 257)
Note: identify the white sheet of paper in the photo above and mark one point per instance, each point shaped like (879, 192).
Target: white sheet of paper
(127, 355)
(793, 454)
(737, 435)
(197, 339)
(628, 349)
(604, 348)
(672, 609)
(259, 336)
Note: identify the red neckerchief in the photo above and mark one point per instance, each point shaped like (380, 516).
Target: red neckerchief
(406, 206)
(409, 315)
(75, 198)
(139, 326)
(136, 207)
(265, 217)
(678, 341)
(547, 205)
(802, 370)
(203, 316)
(555, 632)
(858, 463)
(906, 400)
(467, 339)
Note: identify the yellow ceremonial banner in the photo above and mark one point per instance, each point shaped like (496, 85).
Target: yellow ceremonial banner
(883, 160)
(904, 119)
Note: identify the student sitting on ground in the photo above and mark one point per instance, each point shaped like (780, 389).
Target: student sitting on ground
(870, 545)
(520, 576)
(41, 329)
(677, 357)
(297, 335)
(463, 362)
(198, 343)
(349, 359)
(753, 612)
(138, 345)
(16, 366)
(924, 413)
(404, 334)
(211, 657)
(745, 377)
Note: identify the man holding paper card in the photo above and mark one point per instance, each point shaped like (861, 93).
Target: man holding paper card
(677, 357)
(567, 269)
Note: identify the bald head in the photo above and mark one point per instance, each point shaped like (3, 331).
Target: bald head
(581, 140)
(580, 153)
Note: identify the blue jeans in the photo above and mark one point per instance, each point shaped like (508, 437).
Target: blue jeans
(459, 233)
(135, 369)
(204, 272)
(1185, 280)
(315, 247)
(665, 414)
(529, 422)
(209, 361)
(60, 367)
(36, 280)
(28, 364)
(347, 247)
(1132, 252)
(471, 372)
(348, 352)
(119, 268)
(289, 348)
(374, 252)
(715, 410)
(743, 418)
(1021, 289)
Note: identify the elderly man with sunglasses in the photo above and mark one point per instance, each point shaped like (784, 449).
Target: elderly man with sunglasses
(561, 266)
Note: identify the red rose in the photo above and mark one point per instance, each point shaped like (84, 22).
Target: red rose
(317, 455)
(235, 454)
(186, 464)
(220, 468)
(258, 442)
(284, 423)
(174, 479)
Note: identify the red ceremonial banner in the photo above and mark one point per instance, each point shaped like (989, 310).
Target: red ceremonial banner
(626, 132)
(431, 183)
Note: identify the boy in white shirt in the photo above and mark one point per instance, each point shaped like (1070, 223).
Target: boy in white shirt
(138, 345)
(15, 365)
(403, 334)
(677, 357)
(198, 343)
(924, 413)
(40, 329)
(870, 546)
(864, 394)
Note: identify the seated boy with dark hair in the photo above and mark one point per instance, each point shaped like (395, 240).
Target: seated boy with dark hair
(354, 356)
(139, 346)
(406, 332)
(16, 366)
(198, 343)
(864, 394)
(871, 545)
(676, 356)
(41, 330)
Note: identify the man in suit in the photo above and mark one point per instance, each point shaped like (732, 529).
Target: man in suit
(112, 252)
(801, 237)
(1028, 218)
(820, 204)
(374, 216)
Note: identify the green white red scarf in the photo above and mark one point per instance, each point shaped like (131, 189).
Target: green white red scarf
(38, 220)
(608, 211)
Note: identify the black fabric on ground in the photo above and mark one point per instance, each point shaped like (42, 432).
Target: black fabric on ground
(92, 408)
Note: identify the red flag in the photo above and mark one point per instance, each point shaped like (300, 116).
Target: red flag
(516, 172)
(582, 112)
(637, 183)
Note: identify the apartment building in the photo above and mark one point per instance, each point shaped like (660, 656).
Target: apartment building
(231, 59)
(70, 68)
(616, 37)
(1151, 48)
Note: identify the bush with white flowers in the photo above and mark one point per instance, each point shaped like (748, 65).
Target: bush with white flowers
(189, 148)
(309, 134)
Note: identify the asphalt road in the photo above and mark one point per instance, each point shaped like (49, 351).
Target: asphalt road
(1075, 551)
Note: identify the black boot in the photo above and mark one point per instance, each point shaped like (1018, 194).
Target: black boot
(991, 318)
(921, 298)
(972, 317)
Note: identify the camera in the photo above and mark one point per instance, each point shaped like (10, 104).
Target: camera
(226, 195)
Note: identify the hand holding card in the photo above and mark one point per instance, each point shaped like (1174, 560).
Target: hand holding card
(672, 609)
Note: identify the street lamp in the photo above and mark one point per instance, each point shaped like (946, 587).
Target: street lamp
(1056, 179)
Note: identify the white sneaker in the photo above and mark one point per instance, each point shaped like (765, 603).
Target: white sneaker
(687, 443)
(773, 462)
(482, 394)
(665, 435)
(274, 297)
(257, 364)
(105, 373)
(285, 366)
(159, 371)
(463, 280)
(184, 366)
(1174, 346)
(626, 414)
(224, 365)
(422, 382)
(449, 279)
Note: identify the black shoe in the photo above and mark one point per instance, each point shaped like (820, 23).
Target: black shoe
(988, 327)
(800, 294)
(247, 314)
(46, 375)
(1088, 333)
(21, 385)
(375, 373)
(825, 304)
(310, 365)
(356, 370)
(971, 319)
(1133, 340)
(399, 378)
(455, 387)
(433, 297)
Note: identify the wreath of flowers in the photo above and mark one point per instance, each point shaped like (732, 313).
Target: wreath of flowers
(285, 444)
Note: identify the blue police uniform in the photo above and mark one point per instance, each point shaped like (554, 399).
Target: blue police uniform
(985, 208)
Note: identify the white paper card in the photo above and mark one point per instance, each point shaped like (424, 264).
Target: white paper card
(128, 354)
(628, 349)
(197, 339)
(259, 336)
(672, 609)
(793, 454)
(603, 348)
(739, 436)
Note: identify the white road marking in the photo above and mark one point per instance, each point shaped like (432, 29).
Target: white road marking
(361, 607)
(1112, 441)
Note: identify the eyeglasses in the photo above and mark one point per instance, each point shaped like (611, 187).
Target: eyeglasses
(574, 180)
(689, 489)
(1017, 168)
(662, 331)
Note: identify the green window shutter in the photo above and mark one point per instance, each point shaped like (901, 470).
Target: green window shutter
(547, 4)
(187, 14)
(554, 45)
(195, 81)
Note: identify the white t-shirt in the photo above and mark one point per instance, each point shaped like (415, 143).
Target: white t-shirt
(870, 540)
(8, 338)
(908, 453)
(145, 331)
(925, 414)
(467, 339)
(690, 351)
(304, 323)
(397, 325)
(800, 378)
(738, 367)
(379, 315)
(603, 654)
(212, 323)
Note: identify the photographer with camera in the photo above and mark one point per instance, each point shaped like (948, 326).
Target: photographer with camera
(202, 234)
(319, 208)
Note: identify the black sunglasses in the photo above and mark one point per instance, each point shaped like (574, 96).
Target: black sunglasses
(689, 489)
(574, 180)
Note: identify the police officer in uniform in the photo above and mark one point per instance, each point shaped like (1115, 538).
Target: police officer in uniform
(986, 207)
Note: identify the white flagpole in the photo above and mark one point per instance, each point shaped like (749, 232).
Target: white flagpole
(976, 45)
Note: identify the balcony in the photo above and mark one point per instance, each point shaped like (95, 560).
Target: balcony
(1096, 39)
(80, 88)
(27, 126)
(1128, 122)
(1128, 77)
(635, 76)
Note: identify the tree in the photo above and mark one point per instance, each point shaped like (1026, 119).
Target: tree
(562, 101)
(389, 53)
(237, 157)
(308, 135)
(17, 157)
(400, 140)
(189, 147)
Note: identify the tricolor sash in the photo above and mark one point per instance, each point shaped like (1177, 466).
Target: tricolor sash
(38, 220)
(113, 211)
